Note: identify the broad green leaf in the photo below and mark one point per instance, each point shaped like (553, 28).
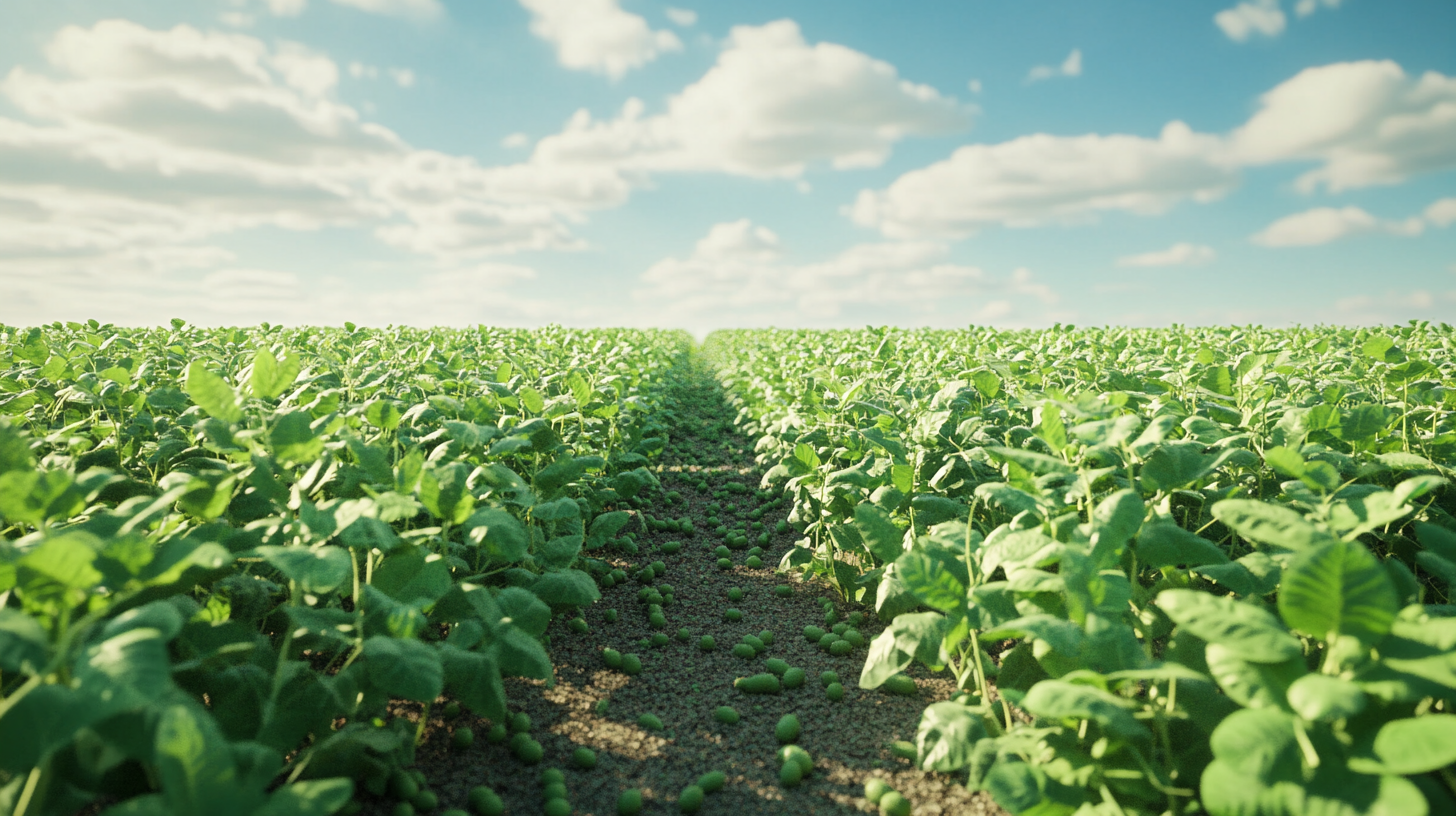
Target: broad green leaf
(1321, 697)
(884, 660)
(559, 552)
(413, 575)
(195, 766)
(1218, 379)
(880, 535)
(1038, 463)
(947, 734)
(1381, 349)
(443, 492)
(933, 510)
(1008, 497)
(316, 570)
(557, 475)
(1338, 588)
(59, 573)
(1051, 428)
(1253, 684)
(212, 393)
(1412, 746)
(271, 377)
(33, 496)
(930, 580)
(474, 679)
(1249, 631)
(1116, 520)
(1056, 699)
(1268, 524)
(532, 400)
(404, 668)
(524, 610)
(605, 526)
(1163, 543)
(309, 797)
(1355, 517)
(563, 509)
(1363, 422)
(566, 588)
(806, 456)
(383, 414)
(1062, 635)
(521, 655)
(294, 439)
(128, 671)
(580, 390)
(499, 533)
(23, 643)
(469, 434)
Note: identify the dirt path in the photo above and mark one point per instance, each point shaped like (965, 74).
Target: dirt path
(593, 706)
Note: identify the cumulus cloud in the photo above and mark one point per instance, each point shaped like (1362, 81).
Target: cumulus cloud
(736, 275)
(1070, 67)
(1304, 8)
(287, 8)
(1042, 178)
(415, 9)
(515, 140)
(1322, 225)
(1366, 123)
(1248, 18)
(1180, 254)
(682, 17)
(1441, 213)
(772, 104)
(142, 145)
(597, 35)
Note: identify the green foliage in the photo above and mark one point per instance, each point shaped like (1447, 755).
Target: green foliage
(1224, 557)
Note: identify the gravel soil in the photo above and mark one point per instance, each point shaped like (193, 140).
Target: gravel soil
(593, 706)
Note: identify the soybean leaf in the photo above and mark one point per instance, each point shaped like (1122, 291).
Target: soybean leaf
(211, 393)
(947, 735)
(1253, 684)
(880, 535)
(1056, 699)
(1248, 631)
(316, 570)
(566, 588)
(499, 533)
(404, 668)
(1163, 543)
(1338, 588)
(1268, 524)
(1410, 746)
(1321, 697)
(271, 377)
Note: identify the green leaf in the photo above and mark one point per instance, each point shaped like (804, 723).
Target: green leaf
(1008, 497)
(806, 455)
(532, 399)
(558, 474)
(524, 610)
(474, 679)
(1321, 697)
(1116, 520)
(930, 580)
(1249, 631)
(1268, 524)
(470, 435)
(271, 377)
(1038, 463)
(1253, 684)
(211, 393)
(33, 496)
(59, 573)
(880, 534)
(1051, 428)
(947, 735)
(1338, 588)
(195, 766)
(383, 414)
(500, 534)
(316, 570)
(404, 668)
(23, 643)
(1163, 543)
(1361, 423)
(605, 526)
(1355, 517)
(1381, 349)
(884, 660)
(1055, 699)
(1218, 379)
(521, 655)
(1062, 635)
(1259, 744)
(443, 492)
(559, 552)
(129, 671)
(581, 392)
(293, 438)
(309, 797)
(987, 383)
(1412, 746)
(566, 588)
(413, 575)
(933, 510)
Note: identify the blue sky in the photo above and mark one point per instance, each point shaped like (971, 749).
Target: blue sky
(624, 162)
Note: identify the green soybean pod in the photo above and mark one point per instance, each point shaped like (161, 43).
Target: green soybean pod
(813, 634)
(744, 651)
(783, 590)
(793, 678)
(485, 801)
(497, 733)
(758, 684)
(712, 781)
(840, 648)
(526, 749)
(788, 729)
(610, 616)
(825, 678)
(629, 803)
(612, 658)
(725, 564)
(554, 790)
(776, 666)
(726, 715)
(557, 807)
(690, 799)
(402, 809)
(767, 637)
(659, 639)
(903, 749)
(650, 722)
(732, 615)
(707, 644)
(402, 786)
(834, 691)
(854, 638)
(657, 620)
(793, 753)
(902, 685)
(875, 789)
(451, 710)
(893, 804)
(579, 625)
(684, 634)
(735, 594)
(757, 644)
(584, 758)
(631, 664)
(790, 774)
(520, 722)
(827, 640)
(463, 738)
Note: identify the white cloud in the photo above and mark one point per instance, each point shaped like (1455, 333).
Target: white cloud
(403, 77)
(735, 276)
(287, 8)
(974, 85)
(1247, 18)
(1367, 123)
(1441, 213)
(1322, 225)
(143, 145)
(1180, 254)
(415, 9)
(682, 17)
(237, 19)
(1304, 8)
(597, 35)
(515, 140)
(772, 104)
(1042, 178)
(1070, 67)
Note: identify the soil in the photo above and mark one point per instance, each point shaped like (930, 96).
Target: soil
(593, 706)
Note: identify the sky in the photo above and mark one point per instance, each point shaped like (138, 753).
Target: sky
(794, 164)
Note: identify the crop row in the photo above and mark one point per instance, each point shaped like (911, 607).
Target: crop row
(1205, 569)
(224, 552)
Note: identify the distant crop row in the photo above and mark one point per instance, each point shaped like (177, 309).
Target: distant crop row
(221, 548)
(1206, 569)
